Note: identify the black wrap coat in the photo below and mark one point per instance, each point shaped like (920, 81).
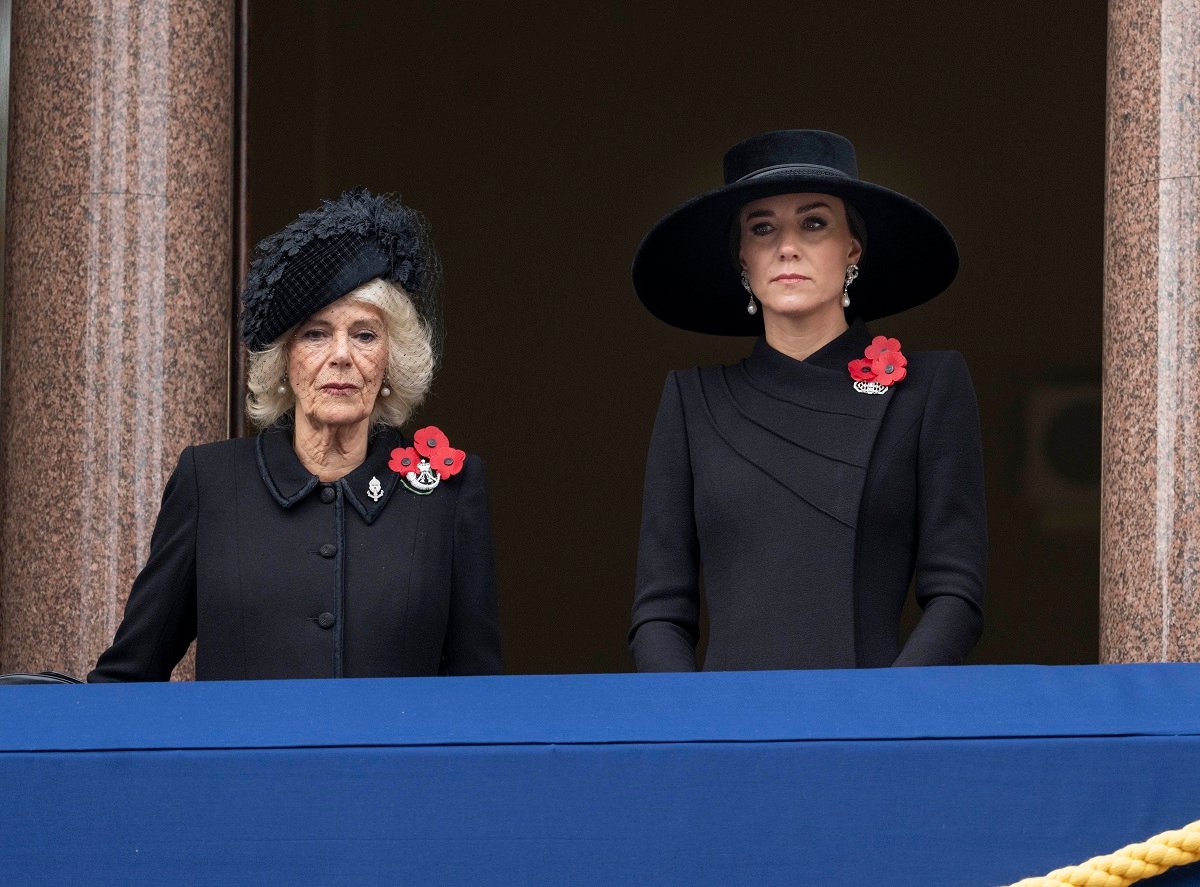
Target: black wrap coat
(804, 508)
(277, 575)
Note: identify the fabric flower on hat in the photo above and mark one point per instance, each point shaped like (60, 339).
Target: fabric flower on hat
(325, 253)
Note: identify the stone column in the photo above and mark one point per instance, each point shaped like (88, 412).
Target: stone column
(1150, 535)
(116, 325)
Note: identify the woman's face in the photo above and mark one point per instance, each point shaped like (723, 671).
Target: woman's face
(794, 250)
(336, 362)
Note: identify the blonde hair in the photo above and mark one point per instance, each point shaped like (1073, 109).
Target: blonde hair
(409, 369)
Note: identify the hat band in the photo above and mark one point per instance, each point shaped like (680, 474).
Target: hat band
(807, 168)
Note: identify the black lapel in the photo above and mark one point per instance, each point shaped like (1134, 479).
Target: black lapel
(369, 499)
(280, 468)
(289, 481)
(801, 422)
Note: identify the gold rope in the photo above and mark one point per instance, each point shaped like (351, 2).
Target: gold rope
(1129, 864)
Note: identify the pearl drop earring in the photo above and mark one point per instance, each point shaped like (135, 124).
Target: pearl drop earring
(851, 276)
(752, 306)
(283, 388)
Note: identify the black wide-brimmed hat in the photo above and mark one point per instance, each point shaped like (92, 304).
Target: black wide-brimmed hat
(328, 252)
(684, 273)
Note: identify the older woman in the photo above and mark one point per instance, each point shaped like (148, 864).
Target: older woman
(804, 488)
(330, 545)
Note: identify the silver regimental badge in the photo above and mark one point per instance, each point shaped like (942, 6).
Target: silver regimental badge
(423, 480)
(870, 388)
(375, 490)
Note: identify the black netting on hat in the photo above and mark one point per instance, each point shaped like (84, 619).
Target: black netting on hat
(326, 253)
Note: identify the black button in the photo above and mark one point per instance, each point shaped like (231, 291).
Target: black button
(326, 620)
(328, 495)
(327, 550)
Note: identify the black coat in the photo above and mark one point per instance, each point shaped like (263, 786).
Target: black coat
(278, 575)
(804, 508)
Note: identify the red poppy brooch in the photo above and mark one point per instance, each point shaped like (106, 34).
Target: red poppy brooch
(428, 462)
(881, 367)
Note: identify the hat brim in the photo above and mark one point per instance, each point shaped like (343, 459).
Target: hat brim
(684, 274)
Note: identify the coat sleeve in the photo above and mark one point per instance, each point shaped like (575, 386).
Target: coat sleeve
(160, 615)
(666, 605)
(951, 557)
(472, 644)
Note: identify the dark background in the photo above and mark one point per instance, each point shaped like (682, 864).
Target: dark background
(542, 140)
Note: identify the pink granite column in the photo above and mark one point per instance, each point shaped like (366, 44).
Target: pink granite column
(1150, 537)
(116, 324)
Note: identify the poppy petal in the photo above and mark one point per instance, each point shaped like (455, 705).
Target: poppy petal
(403, 460)
(429, 440)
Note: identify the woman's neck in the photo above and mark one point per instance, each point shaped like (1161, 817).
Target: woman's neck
(800, 337)
(330, 451)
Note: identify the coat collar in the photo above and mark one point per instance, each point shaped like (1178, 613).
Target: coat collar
(289, 482)
(822, 381)
(833, 355)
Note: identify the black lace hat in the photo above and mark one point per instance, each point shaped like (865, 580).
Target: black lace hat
(328, 252)
(683, 271)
